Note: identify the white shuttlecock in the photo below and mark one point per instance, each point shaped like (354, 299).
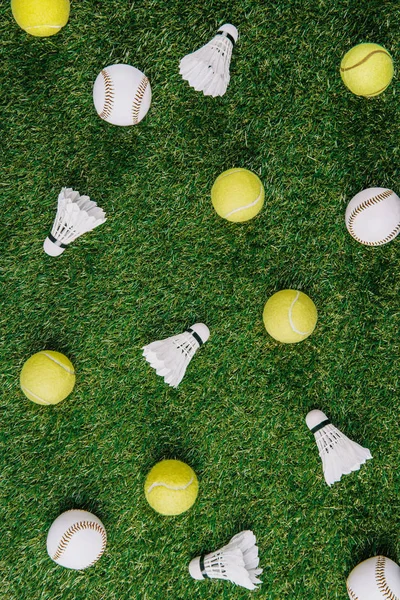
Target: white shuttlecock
(236, 562)
(339, 455)
(207, 69)
(170, 357)
(75, 216)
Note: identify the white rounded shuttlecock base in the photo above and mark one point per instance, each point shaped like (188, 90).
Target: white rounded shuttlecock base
(231, 30)
(51, 248)
(194, 568)
(314, 418)
(202, 331)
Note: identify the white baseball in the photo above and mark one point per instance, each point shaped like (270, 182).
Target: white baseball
(76, 539)
(373, 216)
(121, 95)
(377, 578)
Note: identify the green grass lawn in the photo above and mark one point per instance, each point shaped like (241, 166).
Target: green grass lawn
(164, 260)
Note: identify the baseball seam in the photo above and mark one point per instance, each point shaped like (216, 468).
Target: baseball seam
(291, 322)
(67, 536)
(170, 487)
(381, 579)
(109, 95)
(137, 100)
(359, 209)
(351, 593)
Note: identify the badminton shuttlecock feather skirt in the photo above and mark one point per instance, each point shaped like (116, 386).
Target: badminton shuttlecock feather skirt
(75, 216)
(207, 69)
(339, 455)
(236, 562)
(170, 357)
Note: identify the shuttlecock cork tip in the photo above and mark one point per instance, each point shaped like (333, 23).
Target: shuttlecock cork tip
(230, 30)
(194, 568)
(314, 418)
(202, 331)
(51, 248)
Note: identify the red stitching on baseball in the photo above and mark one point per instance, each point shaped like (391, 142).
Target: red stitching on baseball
(137, 101)
(381, 579)
(67, 536)
(351, 593)
(365, 204)
(109, 95)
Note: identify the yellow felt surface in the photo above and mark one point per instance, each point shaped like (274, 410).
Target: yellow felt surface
(47, 377)
(171, 487)
(290, 316)
(41, 18)
(367, 69)
(237, 195)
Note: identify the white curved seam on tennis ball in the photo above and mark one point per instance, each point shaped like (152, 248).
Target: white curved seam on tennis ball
(170, 487)
(26, 390)
(291, 320)
(59, 363)
(235, 210)
(44, 25)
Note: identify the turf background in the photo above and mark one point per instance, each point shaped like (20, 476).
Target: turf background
(164, 260)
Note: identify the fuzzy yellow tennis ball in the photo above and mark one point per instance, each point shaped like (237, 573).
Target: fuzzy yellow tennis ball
(41, 18)
(367, 70)
(237, 195)
(47, 377)
(171, 487)
(290, 316)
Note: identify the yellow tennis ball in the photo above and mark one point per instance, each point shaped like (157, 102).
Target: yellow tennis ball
(41, 18)
(367, 70)
(290, 316)
(171, 487)
(47, 377)
(237, 195)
